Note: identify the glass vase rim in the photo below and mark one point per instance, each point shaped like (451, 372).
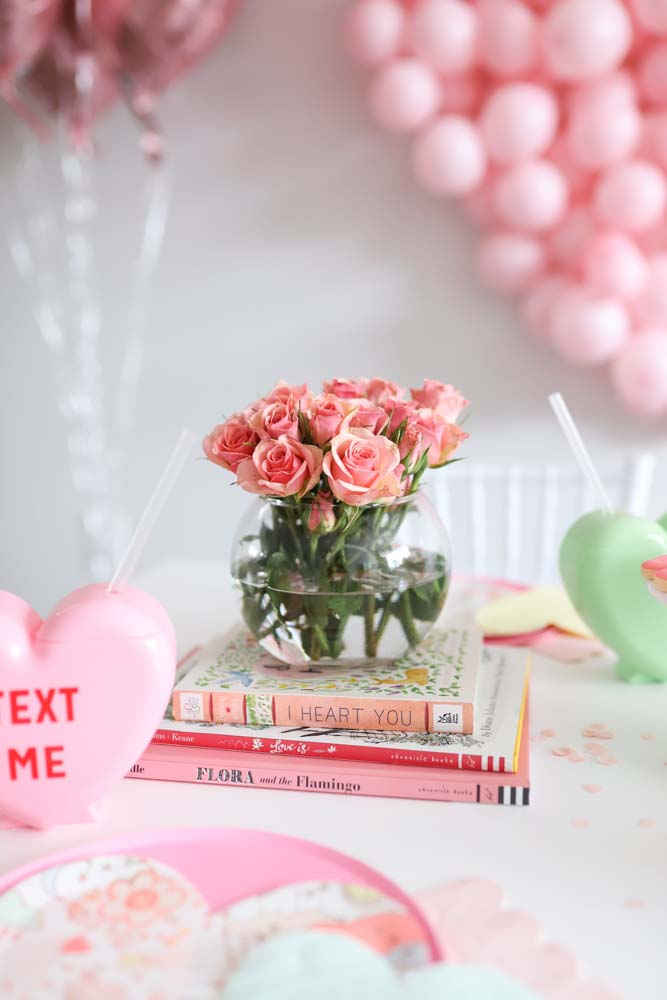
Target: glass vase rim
(296, 503)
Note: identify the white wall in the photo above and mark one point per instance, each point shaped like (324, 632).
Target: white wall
(298, 246)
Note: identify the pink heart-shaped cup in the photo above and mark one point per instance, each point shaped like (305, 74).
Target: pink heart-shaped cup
(81, 694)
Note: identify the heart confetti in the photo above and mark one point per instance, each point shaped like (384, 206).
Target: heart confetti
(549, 123)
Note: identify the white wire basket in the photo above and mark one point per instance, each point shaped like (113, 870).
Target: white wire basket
(507, 521)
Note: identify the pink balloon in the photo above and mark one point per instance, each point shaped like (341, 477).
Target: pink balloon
(509, 36)
(374, 30)
(652, 74)
(508, 262)
(519, 121)
(652, 242)
(449, 156)
(479, 205)
(462, 95)
(584, 38)
(652, 15)
(586, 329)
(615, 89)
(615, 266)
(25, 29)
(444, 34)
(651, 306)
(404, 95)
(531, 195)
(569, 238)
(639, 374)
(631, 196)
(55, 81)
(577, 177)
(654, 142)
(538, 302)
(158, 42)
(107, 17)
(603, 128)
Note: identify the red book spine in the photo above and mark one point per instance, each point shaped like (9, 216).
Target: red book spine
(333, 751)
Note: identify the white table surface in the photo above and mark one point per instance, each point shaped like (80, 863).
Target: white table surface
(576, 881)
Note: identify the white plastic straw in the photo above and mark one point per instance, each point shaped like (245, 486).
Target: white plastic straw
(153, 508)
(571, 432)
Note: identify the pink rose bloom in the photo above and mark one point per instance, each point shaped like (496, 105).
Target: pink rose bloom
(412, 444)
(297, 395)
(326, 414)
(399, 410)
(362, 467)
(378, 390)
(365, 414)
(281, 468)
(346, 388)
(230, 443)
(276, 419)
(322, 515)
(446, 400)
(440, 437)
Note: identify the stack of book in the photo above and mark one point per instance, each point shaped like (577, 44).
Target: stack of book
(447, 722)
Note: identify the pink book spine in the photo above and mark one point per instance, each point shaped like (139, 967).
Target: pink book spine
(386, 714)
(291, 775)
(333, 750)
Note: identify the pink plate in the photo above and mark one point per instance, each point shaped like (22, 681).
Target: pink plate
(227, 865)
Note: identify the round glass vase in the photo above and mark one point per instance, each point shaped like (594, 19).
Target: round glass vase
(325, 582)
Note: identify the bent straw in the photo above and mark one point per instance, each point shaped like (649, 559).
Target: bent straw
(573, 437)
(153, 508)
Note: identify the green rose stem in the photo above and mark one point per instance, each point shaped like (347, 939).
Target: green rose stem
(384, 621)
(369, 626)
(407, 619)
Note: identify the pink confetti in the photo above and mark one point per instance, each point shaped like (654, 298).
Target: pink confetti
(607, 761)
(563, 751)
(645, 822)
(634, 903)
(595, 748)
(592, 789)
(580, 822)
(547, 734)
(598, 734)
(596, 725)
(576, 758)
(649, 737)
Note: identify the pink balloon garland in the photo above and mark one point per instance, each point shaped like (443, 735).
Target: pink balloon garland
(548, 121)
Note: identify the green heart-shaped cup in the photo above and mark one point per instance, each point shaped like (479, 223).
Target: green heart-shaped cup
(600, 562)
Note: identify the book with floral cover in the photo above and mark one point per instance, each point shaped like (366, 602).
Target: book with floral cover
(432, 690)
(494, 746)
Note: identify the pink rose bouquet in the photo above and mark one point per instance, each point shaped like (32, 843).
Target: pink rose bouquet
(340, 472)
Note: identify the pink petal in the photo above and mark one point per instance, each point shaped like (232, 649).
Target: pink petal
(592, 789)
